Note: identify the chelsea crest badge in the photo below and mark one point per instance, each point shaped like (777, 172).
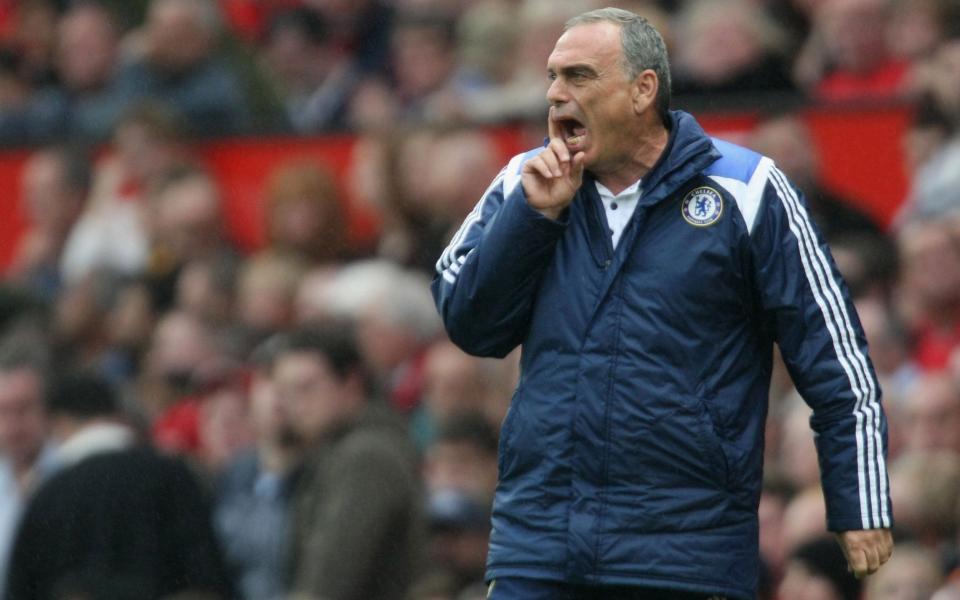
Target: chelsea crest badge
(702, 207)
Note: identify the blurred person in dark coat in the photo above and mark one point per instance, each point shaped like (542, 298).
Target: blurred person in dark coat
(54, 185)
(180, 64)
(255, 494)
(357, 529)
(26, 456)
(114, 509)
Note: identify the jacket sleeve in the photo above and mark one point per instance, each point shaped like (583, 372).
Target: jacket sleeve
(808, 307)
(487, 278)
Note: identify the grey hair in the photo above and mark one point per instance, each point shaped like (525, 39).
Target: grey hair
(643, 48)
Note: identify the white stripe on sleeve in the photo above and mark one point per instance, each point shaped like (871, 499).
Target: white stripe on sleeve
(826, 292)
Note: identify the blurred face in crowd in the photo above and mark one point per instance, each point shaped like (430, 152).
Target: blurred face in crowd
(23, 423)
(298, 63)
(853, 31)
(181, 343)
(933, 415)
(52, 204)
(596, 104)
(198, 295)
(423, 60)
(87, 48)
(144, 153)
(787, 141)
(461, 465)
(452, 381)
(721, 41)
(312, 395)
(911, 574)
(188, 218)
(177, 37)
(225, 427)
(800, 583)
(931, 264)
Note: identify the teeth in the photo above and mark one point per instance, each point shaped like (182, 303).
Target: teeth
(573, 140)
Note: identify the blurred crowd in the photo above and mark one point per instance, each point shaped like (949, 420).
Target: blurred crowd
(180, 419)
(69, 69)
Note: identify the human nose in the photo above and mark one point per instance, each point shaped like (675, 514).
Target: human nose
(556, 93)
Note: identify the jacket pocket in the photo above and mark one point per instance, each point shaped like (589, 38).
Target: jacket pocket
(710, 444)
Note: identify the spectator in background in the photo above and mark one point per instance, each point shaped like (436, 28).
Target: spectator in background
(459, 536)
(181, 349)
(315, 79)
(395, 324)
(266, 293)
(926, 486)
(360, 28)
(815, 571)
(32, 39)
(206, 289)
(774, 498)
(941, 78)
(114, 509)
(916, 27)
(85, 103)
(803, 518)
(519, 93)
(113, 231)
(463, 457)
(129, 323)
(913, 575)
(310, 304)
(890, 350)
(455, 384)
(787, 140)
(224, 425)
(422, 63)
(180, 66)
(186, 222)
(103, 322)
(255, 492)
(54, 188)
(351, 538)
(20, 121)
(250, 19)
(436, 176)
(929, 132)
(729, 47)
(305, 215)
(929, 291)
(26, 457)
(846, 56)
(932, 414)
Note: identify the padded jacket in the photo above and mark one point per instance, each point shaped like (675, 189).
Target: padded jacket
(632, 450)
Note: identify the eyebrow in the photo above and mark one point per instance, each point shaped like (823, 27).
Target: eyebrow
(571, 70)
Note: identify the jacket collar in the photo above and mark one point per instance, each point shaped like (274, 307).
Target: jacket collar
(689, 151)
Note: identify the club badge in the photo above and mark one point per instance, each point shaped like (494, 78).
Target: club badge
(702, 207)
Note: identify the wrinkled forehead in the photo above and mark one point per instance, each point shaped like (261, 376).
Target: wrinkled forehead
(590, 43)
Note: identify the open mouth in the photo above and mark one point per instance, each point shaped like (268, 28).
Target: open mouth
(574, 133)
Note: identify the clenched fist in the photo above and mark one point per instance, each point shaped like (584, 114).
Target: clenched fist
(866, 549)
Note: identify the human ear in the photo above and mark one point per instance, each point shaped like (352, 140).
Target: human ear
(644, 91)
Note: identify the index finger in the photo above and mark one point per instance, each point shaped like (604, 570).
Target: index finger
(553, 126)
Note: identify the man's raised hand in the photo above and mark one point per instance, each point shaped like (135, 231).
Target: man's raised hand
(551, 178)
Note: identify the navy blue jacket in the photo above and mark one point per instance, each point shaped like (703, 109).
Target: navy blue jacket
(632, 450)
